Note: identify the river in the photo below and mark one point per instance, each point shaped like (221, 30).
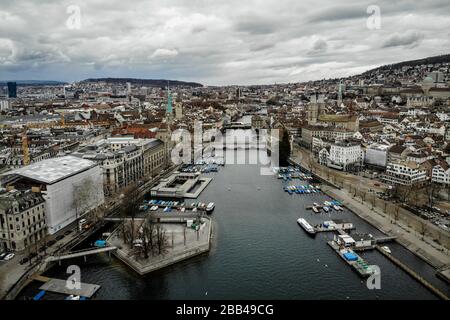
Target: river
(258, 252)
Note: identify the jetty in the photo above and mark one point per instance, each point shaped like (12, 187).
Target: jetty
(353, 260)
(413, 274)
(60, 286)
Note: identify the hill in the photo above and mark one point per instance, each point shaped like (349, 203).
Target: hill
(146, 82)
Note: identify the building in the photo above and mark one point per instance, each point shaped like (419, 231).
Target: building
(405, 173)
(22, 219)
(12, 89)
(376, 155)
(125, 160)
(4, 105)
(258, 122)
(178, 110)
(441, 173)
(398, 152)
(309, 132)
(70, 186)
(342, 155)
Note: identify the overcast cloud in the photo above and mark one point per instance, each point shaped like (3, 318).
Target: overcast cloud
(215, 42)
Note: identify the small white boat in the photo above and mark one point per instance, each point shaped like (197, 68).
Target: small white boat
(315, 209)
(73, 297)
(386, 249)
(210, 207)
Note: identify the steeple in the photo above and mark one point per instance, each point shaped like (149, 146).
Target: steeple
(169, 101)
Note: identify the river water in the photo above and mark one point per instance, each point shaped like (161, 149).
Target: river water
(258, 252)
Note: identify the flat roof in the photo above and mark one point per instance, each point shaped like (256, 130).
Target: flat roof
(52, 170)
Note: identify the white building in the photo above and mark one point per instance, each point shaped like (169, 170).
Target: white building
(342, 155)
(59, 179)
(4, 105)
(404, 173)
(441, 173)
(376, 155)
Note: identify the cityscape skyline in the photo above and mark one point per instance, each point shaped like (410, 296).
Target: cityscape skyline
(215, 44)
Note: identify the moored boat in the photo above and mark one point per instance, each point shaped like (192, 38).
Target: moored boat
(306, 226)
(210, 207)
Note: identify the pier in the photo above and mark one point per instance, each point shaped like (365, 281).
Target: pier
(413, 274)
(358, 264)
(60, 286)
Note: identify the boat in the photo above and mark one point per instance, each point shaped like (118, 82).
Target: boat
(335, 207)
(306, 226)
(210, 207)
(326, 209)
(73, 297)
(315, 209)
(315, 204)
(386, 249)
(39, 295)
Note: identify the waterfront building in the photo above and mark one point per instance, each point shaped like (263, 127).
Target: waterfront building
(22, 219)
(404, 173)
(61, 181)
(126, 160)
(342, 155)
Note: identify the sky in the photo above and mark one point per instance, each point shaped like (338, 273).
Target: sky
(215, 42)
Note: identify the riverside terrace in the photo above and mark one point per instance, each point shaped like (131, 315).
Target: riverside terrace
(181, 185)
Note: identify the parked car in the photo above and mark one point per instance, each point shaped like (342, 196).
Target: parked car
(24, 260)
(3, 255)
(9, 256)
(60, 237)
(67, 232)
(51, 242)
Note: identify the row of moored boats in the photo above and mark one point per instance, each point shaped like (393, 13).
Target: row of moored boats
(302, 189)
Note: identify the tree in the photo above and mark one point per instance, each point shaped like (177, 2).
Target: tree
(285, 149)
(422, 228)
(432, 191)
(129, 209)
(148, 236)
(161, 239)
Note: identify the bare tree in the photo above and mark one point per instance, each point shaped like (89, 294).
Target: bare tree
(422, 228)
(161, 239)
(129, 209)
(432, 191)
(148, 236)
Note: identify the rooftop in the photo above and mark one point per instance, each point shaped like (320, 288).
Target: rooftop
(52, 170)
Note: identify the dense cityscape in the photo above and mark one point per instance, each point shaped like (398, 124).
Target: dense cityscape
(214, 160)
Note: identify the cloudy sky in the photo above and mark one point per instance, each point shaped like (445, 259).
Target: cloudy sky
(215, 42)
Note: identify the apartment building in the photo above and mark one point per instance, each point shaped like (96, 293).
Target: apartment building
(22, 219)
(441, 173)
(126, 160)
(404, 173)
(342, 155)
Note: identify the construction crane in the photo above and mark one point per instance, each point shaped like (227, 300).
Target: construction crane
(25, 149)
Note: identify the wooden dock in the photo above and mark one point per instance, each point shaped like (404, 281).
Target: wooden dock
(359, 266)
(60, 286)
(413, 274)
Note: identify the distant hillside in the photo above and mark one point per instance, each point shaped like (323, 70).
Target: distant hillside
(412, 63)
(34, 82)
(146, 82)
